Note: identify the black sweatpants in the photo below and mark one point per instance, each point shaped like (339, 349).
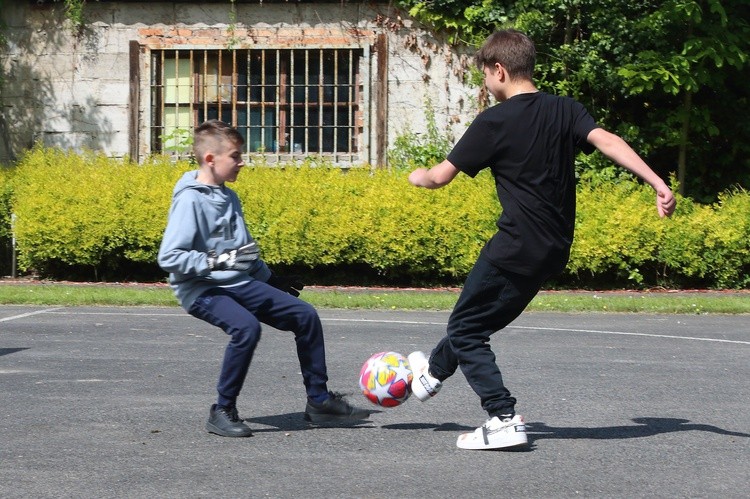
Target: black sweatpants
(491, 299)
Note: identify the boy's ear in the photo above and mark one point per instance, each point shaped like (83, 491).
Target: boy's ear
(502, 73)
(208, 158)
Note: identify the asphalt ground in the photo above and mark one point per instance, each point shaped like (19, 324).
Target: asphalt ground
(112, 402)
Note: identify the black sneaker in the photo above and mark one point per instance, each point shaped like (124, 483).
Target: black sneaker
(334, 409)
(227, 423)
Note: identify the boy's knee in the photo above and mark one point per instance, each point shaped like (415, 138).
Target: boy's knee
(304, 313)
(246, 337)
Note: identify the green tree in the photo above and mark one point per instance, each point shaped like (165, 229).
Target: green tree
(669, 76)
(700, 49)
(464, 21)
(3, 49)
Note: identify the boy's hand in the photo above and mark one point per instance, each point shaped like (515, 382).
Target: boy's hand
(435, 177)
(237, 259)
(418, 177)
(291, 284)
(665, 202)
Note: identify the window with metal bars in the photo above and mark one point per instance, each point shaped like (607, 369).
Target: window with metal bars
(283, 101)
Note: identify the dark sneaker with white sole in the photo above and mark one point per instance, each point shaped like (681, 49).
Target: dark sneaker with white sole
(227, 422)
(335, 409)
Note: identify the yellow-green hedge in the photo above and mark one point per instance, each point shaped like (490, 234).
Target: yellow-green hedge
(325, 216)
(87, 210)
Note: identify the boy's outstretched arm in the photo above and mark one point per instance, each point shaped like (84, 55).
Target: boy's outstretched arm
(616, 149)
(432, 178)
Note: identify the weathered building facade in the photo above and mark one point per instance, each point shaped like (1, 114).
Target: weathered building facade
(338, 79)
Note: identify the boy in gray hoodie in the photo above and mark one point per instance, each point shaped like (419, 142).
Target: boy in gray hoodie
(218, 276)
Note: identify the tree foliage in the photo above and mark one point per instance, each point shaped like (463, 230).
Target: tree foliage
(669, 76)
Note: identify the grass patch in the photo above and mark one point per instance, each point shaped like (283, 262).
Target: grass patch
(367, 298)
(654, 303)
(86, 294)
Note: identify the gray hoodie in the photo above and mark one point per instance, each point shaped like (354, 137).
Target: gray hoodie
(202, 218)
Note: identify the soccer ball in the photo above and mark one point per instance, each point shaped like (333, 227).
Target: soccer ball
(385, 379)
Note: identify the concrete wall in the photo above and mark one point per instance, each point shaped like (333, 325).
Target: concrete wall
(73, 91)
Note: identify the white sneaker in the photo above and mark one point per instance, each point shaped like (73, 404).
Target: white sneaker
(495, 434)
(423, 385)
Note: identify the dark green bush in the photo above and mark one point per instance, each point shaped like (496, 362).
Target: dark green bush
(6, 236)
(92, 217)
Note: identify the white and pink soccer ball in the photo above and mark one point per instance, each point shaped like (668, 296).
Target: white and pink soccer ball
(385, 379)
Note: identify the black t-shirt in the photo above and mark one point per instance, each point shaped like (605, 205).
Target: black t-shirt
(529, 142)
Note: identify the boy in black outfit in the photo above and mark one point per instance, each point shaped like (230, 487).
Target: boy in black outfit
(529, 142)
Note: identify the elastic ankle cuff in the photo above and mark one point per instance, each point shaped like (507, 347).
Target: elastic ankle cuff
(222, 402)
(437, 375)
(319, 399)
(505, 414)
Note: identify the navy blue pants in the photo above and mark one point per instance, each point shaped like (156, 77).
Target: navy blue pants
(239, 312)
(491, 299)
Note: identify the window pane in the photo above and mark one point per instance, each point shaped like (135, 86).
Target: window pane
(176, 128)
(177, 81)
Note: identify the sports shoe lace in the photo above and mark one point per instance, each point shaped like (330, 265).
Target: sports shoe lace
(336, 395)
(339, 399)
(234, 416)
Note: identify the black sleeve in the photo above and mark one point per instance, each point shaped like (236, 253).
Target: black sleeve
(583, 124)
(474, 150)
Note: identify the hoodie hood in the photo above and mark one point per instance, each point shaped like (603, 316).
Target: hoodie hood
(218, 195)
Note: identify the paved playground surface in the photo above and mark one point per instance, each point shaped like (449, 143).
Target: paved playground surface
(111, 402)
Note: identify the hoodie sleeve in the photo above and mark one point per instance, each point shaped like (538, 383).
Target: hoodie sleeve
(181, 253)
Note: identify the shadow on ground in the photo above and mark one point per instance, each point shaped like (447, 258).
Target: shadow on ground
(645, 427)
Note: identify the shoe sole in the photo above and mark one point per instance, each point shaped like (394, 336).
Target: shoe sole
(215, 430)
(333, 419)
(517, 442)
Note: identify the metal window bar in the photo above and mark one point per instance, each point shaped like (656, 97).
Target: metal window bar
(292, 107)
(350, 99)
(279, 105)
(248, 96)
(263, 99)
(218, 88)
(291, 116)
(202, 77)
(191, 93)
(335, 107)
(306, 121)
(321, 98)
(157, 78)
(234, 87)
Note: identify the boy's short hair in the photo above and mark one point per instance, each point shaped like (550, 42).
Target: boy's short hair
(210, 134)
(512, 49)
